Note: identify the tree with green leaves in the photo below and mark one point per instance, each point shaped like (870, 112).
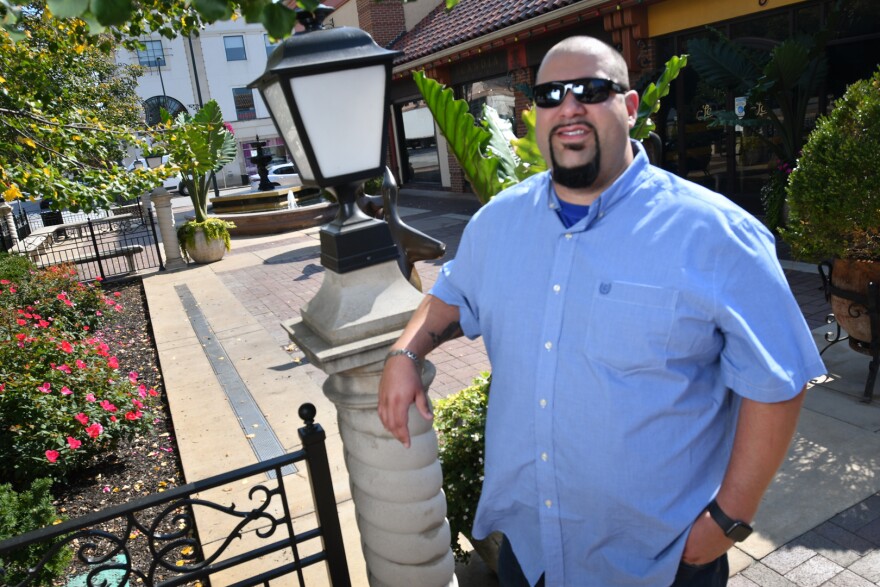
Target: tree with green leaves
(130, 19)
(66, 117)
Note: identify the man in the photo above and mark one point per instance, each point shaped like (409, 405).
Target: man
(648, 359)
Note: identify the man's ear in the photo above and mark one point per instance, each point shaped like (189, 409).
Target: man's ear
(631, 99)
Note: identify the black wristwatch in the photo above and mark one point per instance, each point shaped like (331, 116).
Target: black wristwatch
(733, 529)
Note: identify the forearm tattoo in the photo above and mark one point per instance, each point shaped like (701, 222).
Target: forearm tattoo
(453, 330)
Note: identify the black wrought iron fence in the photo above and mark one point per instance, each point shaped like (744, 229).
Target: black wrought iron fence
(120, 243)
(154, 541)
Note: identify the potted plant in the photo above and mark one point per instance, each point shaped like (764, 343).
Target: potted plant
(834, 201)
(200, 145)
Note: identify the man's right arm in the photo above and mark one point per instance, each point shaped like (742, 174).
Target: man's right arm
(433, 323)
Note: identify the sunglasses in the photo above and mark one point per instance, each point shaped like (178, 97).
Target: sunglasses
(589, 90)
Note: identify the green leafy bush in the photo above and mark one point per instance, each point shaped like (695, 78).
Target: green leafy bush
(460, 421)
(23, 512)
(15, 267)
(834, 192)
(63, 401)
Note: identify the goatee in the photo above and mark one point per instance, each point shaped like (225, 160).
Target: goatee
(581, 176)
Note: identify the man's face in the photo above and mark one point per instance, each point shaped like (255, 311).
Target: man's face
(586, 145)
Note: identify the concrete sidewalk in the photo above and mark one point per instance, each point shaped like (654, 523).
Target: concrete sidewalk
(217, 327)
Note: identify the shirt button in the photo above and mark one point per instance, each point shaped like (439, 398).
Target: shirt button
(543, 403)
(568, 235)
(544, 457)
(548, 503)
(548, 345)
(601, 214)
(556, 288)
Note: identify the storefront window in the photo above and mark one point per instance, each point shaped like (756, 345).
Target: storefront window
(420, 142)
(272, 146)
(495, 92)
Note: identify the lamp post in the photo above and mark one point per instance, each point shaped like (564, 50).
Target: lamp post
(327, 92)
(165, 217)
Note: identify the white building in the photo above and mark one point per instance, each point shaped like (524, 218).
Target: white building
(183, 73)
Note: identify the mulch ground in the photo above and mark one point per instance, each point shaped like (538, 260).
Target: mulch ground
(147, 464)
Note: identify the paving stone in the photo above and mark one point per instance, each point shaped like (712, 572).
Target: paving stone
(828, 548)
(764, 576)
(871, 532)
(844, 538)
(814, 572)
(741, 581)
(860, 514)
(788, 557)
(868, 567)
(848, 579)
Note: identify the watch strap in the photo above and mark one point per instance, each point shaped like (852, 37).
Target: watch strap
(736, 530)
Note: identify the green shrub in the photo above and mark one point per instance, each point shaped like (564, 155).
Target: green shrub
(834, 192)
(23, 512)
(15, 267)
(460, 421)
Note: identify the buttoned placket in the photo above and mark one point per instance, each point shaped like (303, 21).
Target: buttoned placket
(547, 367)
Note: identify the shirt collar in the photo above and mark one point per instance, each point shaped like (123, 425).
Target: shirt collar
(615, 193)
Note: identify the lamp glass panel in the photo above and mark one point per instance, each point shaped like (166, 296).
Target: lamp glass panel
(276, 102)
(343, 112)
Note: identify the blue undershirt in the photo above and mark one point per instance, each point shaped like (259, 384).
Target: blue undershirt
(571, 214)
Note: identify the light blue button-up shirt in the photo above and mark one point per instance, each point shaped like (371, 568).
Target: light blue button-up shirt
(614, 344)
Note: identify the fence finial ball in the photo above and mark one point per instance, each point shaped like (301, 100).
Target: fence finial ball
(307, 413)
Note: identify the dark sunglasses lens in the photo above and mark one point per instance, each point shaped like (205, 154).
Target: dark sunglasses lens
(592, 92)
(549, 94)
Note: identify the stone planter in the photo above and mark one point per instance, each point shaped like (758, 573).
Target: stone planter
(854, 276)
(206, 251)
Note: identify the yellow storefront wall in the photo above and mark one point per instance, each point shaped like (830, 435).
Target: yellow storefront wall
(677, 15)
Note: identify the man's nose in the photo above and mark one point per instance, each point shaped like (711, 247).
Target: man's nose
(570, 103)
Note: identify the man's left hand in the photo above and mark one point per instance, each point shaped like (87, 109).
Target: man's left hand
(706, 542)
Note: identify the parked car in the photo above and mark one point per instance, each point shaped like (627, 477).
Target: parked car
(281, 174)
(174, 182)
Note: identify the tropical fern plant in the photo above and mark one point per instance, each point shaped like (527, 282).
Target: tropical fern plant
(198, 145)
(492, 158)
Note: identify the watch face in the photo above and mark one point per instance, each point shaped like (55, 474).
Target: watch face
(739, 532)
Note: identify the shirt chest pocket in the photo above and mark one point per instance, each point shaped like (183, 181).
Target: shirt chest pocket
(630, 325)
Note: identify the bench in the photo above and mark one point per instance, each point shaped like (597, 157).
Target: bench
(128, 252)
(262, 543)
(35, 244)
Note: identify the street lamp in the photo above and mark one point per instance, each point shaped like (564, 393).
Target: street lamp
(327, 92)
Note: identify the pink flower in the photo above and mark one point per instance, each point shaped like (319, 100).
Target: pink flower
(81, 418)
(80, 364)
(142, 390)
(65, 391)
(44, 324)
(116, 294)
(46, 387)
(73, 443)
(133, 415)
(94, 431)
(113, 363)
(107, 405)
(133, 377)
(66, 347)
(113, 418)
(52, 455)
(153, 393)
(138, 403)
(5, 281)
(21, 322)
(2, 388)
(64, 369)
(90, 397)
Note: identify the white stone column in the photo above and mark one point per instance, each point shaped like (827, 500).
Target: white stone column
(173, 259)
(346, 330)
(9, 219)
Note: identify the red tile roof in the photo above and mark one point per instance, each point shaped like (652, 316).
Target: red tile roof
(469, 20)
